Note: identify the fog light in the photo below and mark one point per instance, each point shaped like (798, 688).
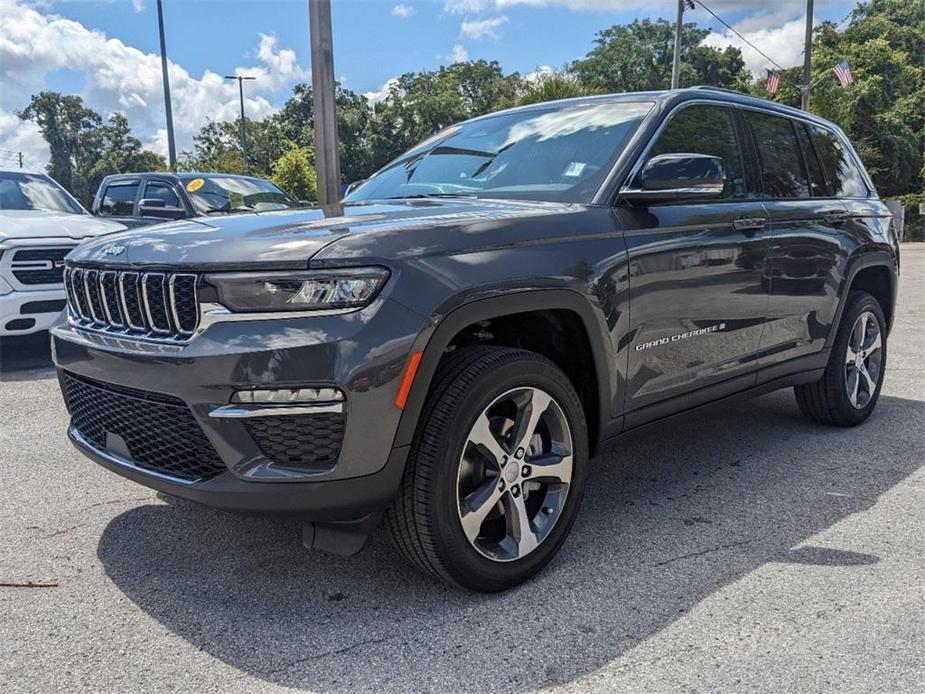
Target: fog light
(288, 395)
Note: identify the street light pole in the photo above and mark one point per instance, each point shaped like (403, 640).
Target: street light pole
(807, 55)
(241, 79)
(327, 159)
(676, 59)
(171, 144)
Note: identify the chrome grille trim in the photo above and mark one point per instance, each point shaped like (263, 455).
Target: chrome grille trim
(156, 306)
(109, 279)
(172, 299)
(152, 316)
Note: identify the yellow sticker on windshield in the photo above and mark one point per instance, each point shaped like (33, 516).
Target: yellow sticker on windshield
(195, 185)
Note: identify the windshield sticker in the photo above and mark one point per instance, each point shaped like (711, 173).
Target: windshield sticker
(195, 185)
(681, 336)
(574, 168)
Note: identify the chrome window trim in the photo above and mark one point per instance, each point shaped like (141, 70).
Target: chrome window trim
(641, 159)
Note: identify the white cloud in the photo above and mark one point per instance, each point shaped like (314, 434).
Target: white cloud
(483, 28)
(138, 5)
(542, 72)
(21, 136)
(402, 10)
(119, 77)
(459, 54)
(382, 93)
(784, 44)
(464, 6)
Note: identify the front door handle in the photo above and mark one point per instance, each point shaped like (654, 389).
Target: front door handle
(752, 224)
(835, 218)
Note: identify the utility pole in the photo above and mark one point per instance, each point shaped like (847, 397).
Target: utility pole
(171, 144)
(327, 158)
(807, 55)
(676, 59)
(20, 160)
(241, 79)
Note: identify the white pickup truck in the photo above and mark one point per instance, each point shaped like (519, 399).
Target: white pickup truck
(39, 224)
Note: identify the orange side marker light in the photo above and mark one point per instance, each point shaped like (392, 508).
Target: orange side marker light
(414, 361)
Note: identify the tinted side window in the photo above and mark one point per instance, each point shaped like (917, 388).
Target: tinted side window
(705, 130)
(779, 151)
(817, 187)
(119, 200)
(845, 178)
(161, 191)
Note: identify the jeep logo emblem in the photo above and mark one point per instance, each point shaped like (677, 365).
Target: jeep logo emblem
(114, 250)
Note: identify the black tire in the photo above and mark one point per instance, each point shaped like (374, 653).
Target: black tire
(827, 401)
(424, 518)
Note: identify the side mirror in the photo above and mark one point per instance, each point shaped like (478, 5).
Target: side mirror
(350, 187)
(672, 177)
(155, 207)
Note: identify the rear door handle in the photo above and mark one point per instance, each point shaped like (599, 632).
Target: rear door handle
(750, 224)
(835, 218)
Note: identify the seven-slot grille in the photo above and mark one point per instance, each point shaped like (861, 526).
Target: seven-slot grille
(156, 305)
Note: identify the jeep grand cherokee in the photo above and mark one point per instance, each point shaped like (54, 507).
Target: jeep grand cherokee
(449, 346)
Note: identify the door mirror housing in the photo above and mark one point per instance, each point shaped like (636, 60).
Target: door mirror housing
(155, 207)
(676, 177)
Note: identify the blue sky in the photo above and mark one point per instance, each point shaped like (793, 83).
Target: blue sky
(106, 50)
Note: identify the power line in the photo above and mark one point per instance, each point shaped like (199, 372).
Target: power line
(728, 26)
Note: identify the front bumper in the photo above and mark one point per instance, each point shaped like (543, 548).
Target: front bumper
(26, 313)
(362, 354)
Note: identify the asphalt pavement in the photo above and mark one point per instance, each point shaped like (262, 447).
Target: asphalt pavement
(744, 549)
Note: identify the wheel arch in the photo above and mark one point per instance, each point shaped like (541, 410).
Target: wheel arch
(874, 273)
(448, 327)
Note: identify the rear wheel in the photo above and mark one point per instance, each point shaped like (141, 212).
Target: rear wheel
(848, 391)
(496, 471)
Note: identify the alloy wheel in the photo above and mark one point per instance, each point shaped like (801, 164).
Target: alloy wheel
(863, 360)
(514, 474)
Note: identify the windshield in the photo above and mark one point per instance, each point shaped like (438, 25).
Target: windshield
(23, 191)
(557, 153)
(224, 194)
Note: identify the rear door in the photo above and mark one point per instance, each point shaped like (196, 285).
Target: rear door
(698, 295)
(807, 255)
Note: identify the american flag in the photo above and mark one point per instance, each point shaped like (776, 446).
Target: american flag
(843, 73)
(772, 84)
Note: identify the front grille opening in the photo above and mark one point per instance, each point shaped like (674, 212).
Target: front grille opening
(153, 305)
(158, 432)
(305, 441)
(39, 265)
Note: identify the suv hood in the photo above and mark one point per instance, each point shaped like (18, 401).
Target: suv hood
(288, 239)
(42, 224)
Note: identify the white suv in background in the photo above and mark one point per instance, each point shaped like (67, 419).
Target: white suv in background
(39, 224)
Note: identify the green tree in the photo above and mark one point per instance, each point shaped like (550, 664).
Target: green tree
(82, 149)
(421, 103)
(67, 126)
(297, 119)
(294, 172)
(638, 56)
(217, 147)
(553, 86)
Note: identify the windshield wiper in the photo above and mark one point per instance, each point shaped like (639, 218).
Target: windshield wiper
(418, 196)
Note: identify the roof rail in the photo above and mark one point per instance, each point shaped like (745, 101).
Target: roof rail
(719, 89)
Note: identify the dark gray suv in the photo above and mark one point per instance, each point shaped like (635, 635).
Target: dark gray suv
(450, 345)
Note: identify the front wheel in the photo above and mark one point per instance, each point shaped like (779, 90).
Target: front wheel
(848, 391)
(496, 471)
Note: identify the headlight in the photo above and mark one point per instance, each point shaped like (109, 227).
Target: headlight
(298, 291)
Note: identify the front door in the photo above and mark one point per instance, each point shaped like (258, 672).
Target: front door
(697, 273)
